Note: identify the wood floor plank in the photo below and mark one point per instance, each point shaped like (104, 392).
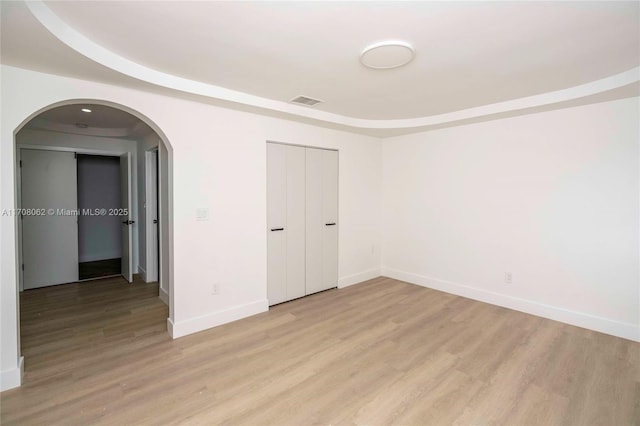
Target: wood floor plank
(378, 353)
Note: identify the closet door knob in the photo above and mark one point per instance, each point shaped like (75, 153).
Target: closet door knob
(277, 229)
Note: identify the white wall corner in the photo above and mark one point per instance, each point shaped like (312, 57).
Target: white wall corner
(359, 277)
(580, 319)
(193, 325)
(164, 296)
(10, 379)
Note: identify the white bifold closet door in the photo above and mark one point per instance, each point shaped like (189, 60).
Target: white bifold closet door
(286, 222)
(302, 215)
(322, 220)
(50, 240)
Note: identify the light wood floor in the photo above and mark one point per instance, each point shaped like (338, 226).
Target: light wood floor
(382, 352)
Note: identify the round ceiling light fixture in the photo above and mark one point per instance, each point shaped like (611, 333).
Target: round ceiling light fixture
(387, 54)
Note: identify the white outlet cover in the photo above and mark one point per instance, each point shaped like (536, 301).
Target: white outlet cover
(202, 214)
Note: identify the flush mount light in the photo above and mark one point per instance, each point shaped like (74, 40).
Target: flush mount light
(387, 54)
(86, 110)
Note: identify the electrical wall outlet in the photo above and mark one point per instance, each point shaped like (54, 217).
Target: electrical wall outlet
(202, 214)
(215, 289)
(508, 278)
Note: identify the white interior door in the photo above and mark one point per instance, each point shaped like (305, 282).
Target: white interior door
(295, 222)
(127, 222)
(276, 223)
(314, 222)
(152, 217)
(330, 219)
(164, 173)
(49, 240)
(322, 220)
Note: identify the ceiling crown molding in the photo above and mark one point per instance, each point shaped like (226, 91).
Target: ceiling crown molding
(92, 50)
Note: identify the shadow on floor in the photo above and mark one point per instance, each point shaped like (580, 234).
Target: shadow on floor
(99, 268)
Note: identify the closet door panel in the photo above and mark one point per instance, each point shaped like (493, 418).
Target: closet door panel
(314, 223)
(49, 241)
(276, 223)
(330, 219)
(295, 223)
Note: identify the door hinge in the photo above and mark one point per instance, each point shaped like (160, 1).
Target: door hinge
(20, 163)
(23, 266)
(75, 155)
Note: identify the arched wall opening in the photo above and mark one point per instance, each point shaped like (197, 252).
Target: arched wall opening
(165, 190)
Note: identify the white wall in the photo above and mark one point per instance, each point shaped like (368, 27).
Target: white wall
(91, 144)
(218, 162)
(99, 237)
(550, 197)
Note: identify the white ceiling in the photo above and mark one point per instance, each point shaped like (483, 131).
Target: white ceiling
(101, 121)
(100, 116)
(468, 54)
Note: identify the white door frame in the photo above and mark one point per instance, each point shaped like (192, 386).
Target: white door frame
(19, 148)
(152, 209)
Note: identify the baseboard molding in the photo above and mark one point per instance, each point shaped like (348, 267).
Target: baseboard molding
(358, 278)
(164, 296)
(193, 325)
(10, 379)
(143, 273)
(592, 322)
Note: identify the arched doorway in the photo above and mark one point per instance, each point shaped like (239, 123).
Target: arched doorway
(142, 157)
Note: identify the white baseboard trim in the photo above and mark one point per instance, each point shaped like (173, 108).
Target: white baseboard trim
(164, 296)
(592, 322)
(358, 278)
(213, 319)
(10, 379)
(143, 273)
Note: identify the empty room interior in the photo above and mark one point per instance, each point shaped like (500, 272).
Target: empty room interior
(296, 213)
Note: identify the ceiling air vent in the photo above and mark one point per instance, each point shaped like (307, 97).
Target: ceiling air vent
(303, 100)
